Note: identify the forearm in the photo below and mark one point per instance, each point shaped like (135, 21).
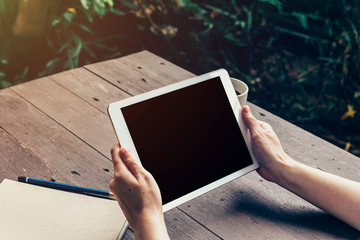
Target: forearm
(338, 196)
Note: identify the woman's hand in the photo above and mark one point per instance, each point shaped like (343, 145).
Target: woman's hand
(336, 195)
(266, 147)
(138, 195)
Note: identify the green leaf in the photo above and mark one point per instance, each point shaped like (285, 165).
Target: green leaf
(88, 15)
(86, 4)
(50, 65)
(77, 50)
(275, 3)
(70, 62)
(189, 6)
(219, 10)
(55, 21)
(99, 3)
(63, 47)
(109, 2)
(90, 52)
(69, 16)
(302, 19)
(356, 94)
(192, 8)
(86, 29)
(141, 27)
(24, 74)
(117, 12)
(5, 84)
(182, 3)
(2, 75)
(242, 24)
(4, 61)
(236, 41)
(102, 46)
(249, 20)
(79, 44)
(99, 7)
(129, 4)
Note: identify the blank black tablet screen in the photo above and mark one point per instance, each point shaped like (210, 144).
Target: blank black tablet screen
(187, 138)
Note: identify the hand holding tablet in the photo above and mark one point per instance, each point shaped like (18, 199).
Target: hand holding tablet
(188, 135)
(187, 139)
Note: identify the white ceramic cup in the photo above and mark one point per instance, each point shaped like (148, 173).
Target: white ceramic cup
(241, 90)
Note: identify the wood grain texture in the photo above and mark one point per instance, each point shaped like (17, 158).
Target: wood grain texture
(53, 144)
(17, 160)
(90, 88)
(155, 68)
(180, 226)
(125, 78)
(85, 121)
(139, 73)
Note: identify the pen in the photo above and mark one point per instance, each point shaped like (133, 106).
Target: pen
(64, 186)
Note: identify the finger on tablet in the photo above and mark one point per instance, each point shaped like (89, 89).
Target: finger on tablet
(130, 161)
(115, 155)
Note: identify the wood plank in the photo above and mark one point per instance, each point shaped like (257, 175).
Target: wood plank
(148, 72)
(89, 87)
(54, 145)
(76, 115)
(17, 160)
(250, 203)
(129, 80)
(180, 226)
(155, 68)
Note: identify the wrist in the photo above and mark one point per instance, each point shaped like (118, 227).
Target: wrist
(151, 226)
(288, 172)
(285, 167)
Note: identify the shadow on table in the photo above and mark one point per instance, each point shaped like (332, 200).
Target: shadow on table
(299, 217)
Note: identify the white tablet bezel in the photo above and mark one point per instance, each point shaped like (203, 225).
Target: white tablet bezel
(124, 137)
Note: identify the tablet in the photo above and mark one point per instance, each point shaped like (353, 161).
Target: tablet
(188, 135)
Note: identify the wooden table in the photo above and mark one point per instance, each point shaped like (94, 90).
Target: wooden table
(57, 128)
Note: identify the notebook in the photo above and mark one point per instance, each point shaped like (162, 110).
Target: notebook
(33, 212)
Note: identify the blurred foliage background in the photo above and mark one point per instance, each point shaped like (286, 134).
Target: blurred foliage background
(301, 59)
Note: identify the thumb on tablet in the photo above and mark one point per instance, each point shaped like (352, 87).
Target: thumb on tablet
(249, 119)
